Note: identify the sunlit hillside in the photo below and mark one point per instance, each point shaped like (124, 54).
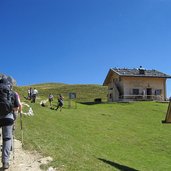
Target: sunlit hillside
(84, 92)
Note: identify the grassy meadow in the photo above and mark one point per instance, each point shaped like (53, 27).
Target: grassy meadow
(98, 137)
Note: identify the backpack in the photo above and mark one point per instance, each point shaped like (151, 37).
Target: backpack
(6, 99)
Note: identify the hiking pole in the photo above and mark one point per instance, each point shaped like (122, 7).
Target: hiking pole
(13, 139)
(21, 126)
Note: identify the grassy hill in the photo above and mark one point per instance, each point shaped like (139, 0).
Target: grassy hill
(84, 92)
(99, 137)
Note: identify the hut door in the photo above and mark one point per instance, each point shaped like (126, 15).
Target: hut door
(149, 93)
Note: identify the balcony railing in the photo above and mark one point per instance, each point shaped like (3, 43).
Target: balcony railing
(142, 97)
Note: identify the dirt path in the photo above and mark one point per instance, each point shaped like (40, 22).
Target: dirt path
(22, 160)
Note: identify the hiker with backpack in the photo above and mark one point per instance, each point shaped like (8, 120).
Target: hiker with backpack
(8, 104)
(60, 102)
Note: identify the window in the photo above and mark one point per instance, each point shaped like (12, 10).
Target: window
(135, 91)
(158, 92)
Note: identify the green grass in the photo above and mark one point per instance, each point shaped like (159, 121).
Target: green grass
(101, 137)
(84, 92)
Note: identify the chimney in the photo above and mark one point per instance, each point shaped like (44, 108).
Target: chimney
(141, 70)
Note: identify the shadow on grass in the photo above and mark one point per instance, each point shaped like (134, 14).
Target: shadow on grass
(94, 103)
(90, 103)
(165, 122)
(118, 166)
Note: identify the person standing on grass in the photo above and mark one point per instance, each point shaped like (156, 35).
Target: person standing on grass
(8, 103)
(50, 99)
(35, 93)
(30, 95)
(60, 102)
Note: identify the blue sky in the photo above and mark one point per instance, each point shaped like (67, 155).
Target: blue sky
(78, 41)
